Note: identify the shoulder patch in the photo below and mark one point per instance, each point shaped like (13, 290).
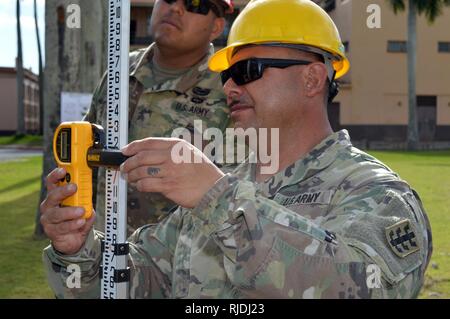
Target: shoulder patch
(200, 91)
(402, 238)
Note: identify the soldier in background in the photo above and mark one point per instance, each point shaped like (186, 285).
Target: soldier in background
(316, 228)
(170, 87)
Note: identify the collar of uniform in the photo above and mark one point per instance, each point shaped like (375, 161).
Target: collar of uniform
(247, 169)
(319, 158)
(181, 84)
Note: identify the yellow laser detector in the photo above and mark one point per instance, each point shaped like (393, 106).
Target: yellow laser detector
(77, 147)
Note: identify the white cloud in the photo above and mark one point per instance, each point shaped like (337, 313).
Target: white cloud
(8, 12)
(8, 49)
(27, 22)
(26, 7)
(40, 3)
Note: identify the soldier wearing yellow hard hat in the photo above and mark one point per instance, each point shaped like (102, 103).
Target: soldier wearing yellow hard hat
(299, 24)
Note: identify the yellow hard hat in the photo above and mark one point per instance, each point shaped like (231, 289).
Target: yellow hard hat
(298, 22)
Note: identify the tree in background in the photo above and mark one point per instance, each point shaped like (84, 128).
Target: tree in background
(432, 9)
(19, 68)
(41, 74)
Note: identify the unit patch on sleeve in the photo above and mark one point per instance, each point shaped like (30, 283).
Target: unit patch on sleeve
(402, 238)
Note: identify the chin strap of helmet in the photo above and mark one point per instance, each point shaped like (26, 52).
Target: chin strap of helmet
(333, 90)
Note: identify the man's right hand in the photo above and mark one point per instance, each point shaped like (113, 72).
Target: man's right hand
(64, 226)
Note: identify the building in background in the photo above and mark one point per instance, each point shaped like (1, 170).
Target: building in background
(373, 102)
(8, 97)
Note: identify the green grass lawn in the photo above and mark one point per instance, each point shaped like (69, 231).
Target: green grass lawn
(22, 274)
(29, 140)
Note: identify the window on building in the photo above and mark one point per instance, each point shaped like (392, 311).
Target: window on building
(397, 46)
(26, 92)
(444, 47)
(329, 5)
(133, 30)
(140, 25)
(427, 117)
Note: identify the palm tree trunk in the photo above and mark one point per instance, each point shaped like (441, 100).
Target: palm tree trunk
(413, 135)
(41, 74)
(19, 66)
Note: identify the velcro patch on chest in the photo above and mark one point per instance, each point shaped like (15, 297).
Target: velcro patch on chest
(402, 238)
(192, 109)
(319, 197)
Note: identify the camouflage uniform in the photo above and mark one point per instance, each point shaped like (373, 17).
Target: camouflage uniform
(156, 109)
(311, 231)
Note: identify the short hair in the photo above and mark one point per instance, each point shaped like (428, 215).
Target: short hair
(217, 8)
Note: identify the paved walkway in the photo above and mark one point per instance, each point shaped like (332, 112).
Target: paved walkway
(10, 153)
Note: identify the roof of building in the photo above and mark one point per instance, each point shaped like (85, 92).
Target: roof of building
(27, 73)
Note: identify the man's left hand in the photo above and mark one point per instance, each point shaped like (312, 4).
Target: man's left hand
(170, 166)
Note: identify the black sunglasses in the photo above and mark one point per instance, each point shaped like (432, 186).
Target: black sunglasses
(252, 69)
(199, 6)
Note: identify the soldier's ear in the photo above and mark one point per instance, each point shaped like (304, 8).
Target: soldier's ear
(315, 79)
(218, 26)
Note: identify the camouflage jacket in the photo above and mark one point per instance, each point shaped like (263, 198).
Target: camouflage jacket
(335, 224)
(156, 111)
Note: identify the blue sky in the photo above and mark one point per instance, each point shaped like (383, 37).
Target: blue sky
(8, 36)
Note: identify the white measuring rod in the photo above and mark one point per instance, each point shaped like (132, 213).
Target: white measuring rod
(115, 271)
